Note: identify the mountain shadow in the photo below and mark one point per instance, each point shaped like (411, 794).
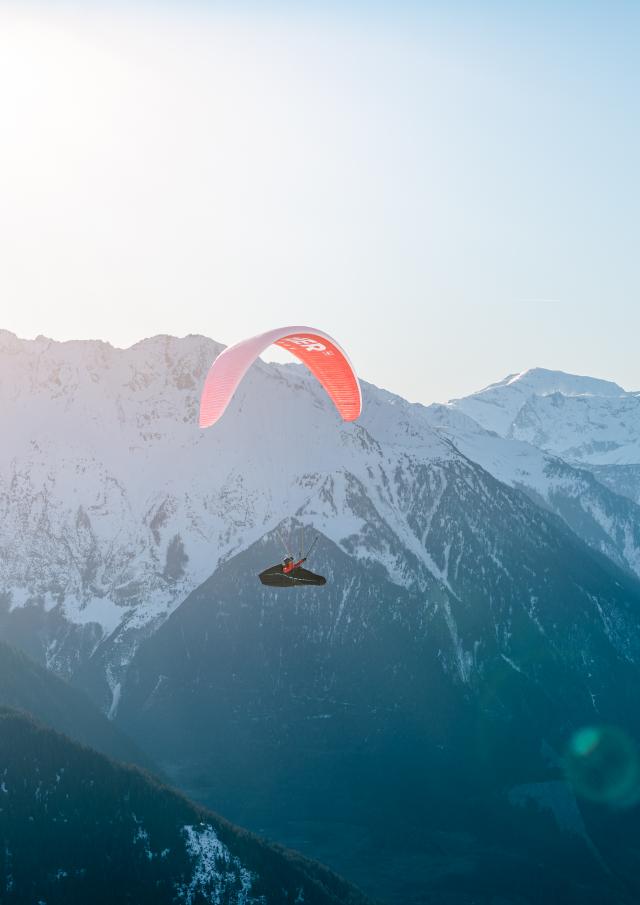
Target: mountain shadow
(24, 685)
(78, 827)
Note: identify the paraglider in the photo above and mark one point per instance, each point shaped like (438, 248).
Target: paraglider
(290, 574)
(317, 350)
(330, 366)
(279, 577)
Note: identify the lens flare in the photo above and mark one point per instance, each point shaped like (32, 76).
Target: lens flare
(602, 765)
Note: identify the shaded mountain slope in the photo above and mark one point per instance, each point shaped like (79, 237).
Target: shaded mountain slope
(77, 827)
(24, 685)
(406, 711)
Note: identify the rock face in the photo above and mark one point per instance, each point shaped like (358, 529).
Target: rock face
(77, 827)
(482, 602)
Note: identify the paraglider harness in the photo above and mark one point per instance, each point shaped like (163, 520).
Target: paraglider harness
(289, 565)
(289, 573)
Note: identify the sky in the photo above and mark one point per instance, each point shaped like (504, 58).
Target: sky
(450, 188)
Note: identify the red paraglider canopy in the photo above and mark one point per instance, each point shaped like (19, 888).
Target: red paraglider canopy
(319, 352)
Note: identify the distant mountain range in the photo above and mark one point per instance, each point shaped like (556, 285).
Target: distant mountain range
(483, 602)
(590, 423)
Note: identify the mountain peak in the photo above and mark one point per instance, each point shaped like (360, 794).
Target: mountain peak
(581, 419)
(544, 381)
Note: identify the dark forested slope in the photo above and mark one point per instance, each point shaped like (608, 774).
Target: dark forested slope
(78, 827)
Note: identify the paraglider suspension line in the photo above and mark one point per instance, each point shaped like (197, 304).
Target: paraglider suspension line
(286, 549)
(308, 553)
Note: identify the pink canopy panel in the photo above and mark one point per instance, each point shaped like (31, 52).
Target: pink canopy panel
(319, 352)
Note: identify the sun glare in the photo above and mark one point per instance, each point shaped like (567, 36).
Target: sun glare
(54, 85)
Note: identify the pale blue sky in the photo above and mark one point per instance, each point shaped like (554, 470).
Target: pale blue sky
(451, 189)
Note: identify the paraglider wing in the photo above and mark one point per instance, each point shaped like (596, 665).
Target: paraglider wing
(319, 352)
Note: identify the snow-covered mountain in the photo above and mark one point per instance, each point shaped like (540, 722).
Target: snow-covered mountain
(606, 520)
(115, 506)
(587, 422)
(497, 406)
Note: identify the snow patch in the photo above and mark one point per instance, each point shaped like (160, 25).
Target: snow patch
(218, 876)
(99, 610)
